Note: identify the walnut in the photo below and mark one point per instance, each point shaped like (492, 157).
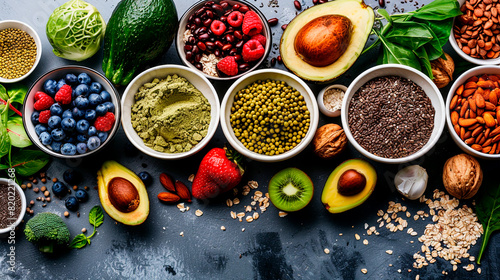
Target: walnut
(329, 141)
(462, 176)
(442, 70)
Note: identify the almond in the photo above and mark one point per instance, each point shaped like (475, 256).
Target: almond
(182, 191)
(466, 122)
(468, 92)
(454, 102)
(167, 182)
(476, 147)
(454, 117)
(464, 108)
(472, 104)
(480, 103)
(489, 121)
(168, 197)
(495, 131)
(493, 98)
(489, 106)
(460, 90)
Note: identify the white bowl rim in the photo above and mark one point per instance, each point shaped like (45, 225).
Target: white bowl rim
(23, 205)
(38, 43)
(417, 154)
(314, 115)
(169, 156)
(321, 103)
(467, 74)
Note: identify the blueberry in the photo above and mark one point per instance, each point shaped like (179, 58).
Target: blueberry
(61, 83)
(45, 138)
(56, 109)
(105, 96)
(71, 79)
(67, 114)
(77, 113)
(146, 178)
(39, 128)
(90, 115)
(58, 134)
(71, 203)
(56, 146)
(83, 78)
(101, 109)
(102, 136)
(81, 102)
(50, 87)
(92, 131)
(110, 106)
(68, 124)
(82, 195)
(95, 87)
(82, 126)
(93, 143)
(72, 177)
(81, 89)
(54, 121)
(70, 139)
(59, 189)
(95, 99)
(81, 138)
(81, 148)
(34, 117)
(68, 149)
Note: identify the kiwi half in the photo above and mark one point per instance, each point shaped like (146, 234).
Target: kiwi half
(290, 189)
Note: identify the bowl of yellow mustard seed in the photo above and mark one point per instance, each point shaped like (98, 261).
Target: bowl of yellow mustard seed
(20, 50)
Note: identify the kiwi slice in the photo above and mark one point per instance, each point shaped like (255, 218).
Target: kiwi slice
(290, 189)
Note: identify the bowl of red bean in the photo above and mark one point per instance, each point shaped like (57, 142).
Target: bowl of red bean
(223, 39)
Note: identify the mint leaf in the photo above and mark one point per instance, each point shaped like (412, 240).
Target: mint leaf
(17, 92)
(79, 241)
(96, 216)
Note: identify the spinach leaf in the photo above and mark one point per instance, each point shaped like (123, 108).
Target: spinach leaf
(4, 167)
(438, 10)
(441, 28)
(79, 241)
(410, 34)
(96, 216)
(433, 48)
(394, 53)
(4, 139)
(17, 92)
(28, 162)
(488, 213)
(3, 93)
(17, 134)
(424, 61)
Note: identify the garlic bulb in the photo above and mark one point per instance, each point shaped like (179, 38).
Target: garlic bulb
(411, 181)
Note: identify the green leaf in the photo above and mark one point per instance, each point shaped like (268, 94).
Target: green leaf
(441, 28)
(17, 92)
(96, 216)
(3, 93)
(438, 10)
(4, 140)
(17, 134)
(28, 162)
(79, 241)
(4, 167)
(488, 213)
(385, 14)
(424, 61)
(412, 35)
(394, 53)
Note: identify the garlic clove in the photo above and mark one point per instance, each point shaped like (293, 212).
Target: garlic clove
(411, 181)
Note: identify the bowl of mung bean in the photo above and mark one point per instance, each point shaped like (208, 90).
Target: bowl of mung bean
(21, 50)
(393, 113)
(269, 115)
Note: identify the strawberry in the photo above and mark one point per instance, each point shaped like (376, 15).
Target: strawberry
(219, 172)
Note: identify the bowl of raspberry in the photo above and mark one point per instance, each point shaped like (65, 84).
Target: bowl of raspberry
(223, 39)
(71, 112)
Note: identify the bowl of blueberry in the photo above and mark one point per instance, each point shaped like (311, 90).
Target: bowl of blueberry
(71, 112)
(223, 39)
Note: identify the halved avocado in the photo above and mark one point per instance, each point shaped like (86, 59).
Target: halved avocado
(129, 203)
(335, 202)
(361, 17)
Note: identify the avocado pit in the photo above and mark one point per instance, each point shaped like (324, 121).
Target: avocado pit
(351, 182)
(123, 195)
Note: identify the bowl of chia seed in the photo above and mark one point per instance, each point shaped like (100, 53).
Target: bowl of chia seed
(393, 113)
(12, 207)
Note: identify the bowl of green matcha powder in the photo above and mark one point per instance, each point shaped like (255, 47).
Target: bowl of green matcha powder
(170, 112)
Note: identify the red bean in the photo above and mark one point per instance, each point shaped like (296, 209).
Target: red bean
(189, 56)
(284, 26)
(226, 47)
(244, 9)
(297, 5)
(238, 34)
(210, 45)
(209, 3)
(207, 22)
(218, 8)
(195, 50)
(204, 37)
(237, 57)
(239, 44)
(243, 67)
(188, 47)
(229, 38)
(279, 59)
(233, 52)
(197, 57)
(199, 66)
(192, 40)
(210, 14)
(223, 19)
(381, 3)
(272, 21)
(224, 4)
(236, 7)
(202, 46)
(197, 21)
(273, 61)
(219, 44)
(217, 52)
(200, 11)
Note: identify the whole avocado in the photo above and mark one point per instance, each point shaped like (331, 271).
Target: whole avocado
(138, 32)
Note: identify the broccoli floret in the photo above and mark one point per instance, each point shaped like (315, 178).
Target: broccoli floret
(47, 231)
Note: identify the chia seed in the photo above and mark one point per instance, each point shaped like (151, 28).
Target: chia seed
(391, 117)
(7, 216)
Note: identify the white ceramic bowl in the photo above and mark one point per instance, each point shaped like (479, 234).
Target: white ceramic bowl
(28, 29)
(478, 61)
(162, 71)
(179, 43)
(479, 70)
(57, 74)
(273, 74)
(321, 103)
(5, 232)
(406, 72)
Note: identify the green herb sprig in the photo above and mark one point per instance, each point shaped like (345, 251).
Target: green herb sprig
(415, 38)
(488, 213)
(96, 218)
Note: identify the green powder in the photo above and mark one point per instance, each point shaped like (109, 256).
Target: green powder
(170, 115)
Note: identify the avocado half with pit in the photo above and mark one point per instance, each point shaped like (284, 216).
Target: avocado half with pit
(122, 194)
(324, 41)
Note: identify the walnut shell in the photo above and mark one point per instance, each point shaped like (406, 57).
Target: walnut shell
(442, 70)
(462, 176)
(329, 141)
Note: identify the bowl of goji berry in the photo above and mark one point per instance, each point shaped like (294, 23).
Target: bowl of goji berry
(223, 39)
(71, 112)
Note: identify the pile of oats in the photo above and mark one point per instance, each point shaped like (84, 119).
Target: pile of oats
(259, 201)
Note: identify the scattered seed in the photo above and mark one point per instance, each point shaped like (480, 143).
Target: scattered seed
(84, 230)
(253, 184)
(29, 185)
(191, 178)
(66, 214)
(54, 180)
(223, 228)
(242, 229)
(327, 251)
(182, 233)
(389, 252)
(46, 193)
(75, 187)
(233, 214)
(36, 190)
(47, 199)
(236, 201)
(365, 242)
(364, 270)
(43, 188)
(282, 214)
(255, 215)
(229, 202)
(357, 236)
(198, 212)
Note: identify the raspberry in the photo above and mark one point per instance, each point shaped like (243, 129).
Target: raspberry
(105, 123)
(228, 66)
(251, 24)
(252, 50)
(44, 101)
(63, 95)
(261, 38)
(39, 94)
(44, 116)
(218, 27)
(235, 19)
